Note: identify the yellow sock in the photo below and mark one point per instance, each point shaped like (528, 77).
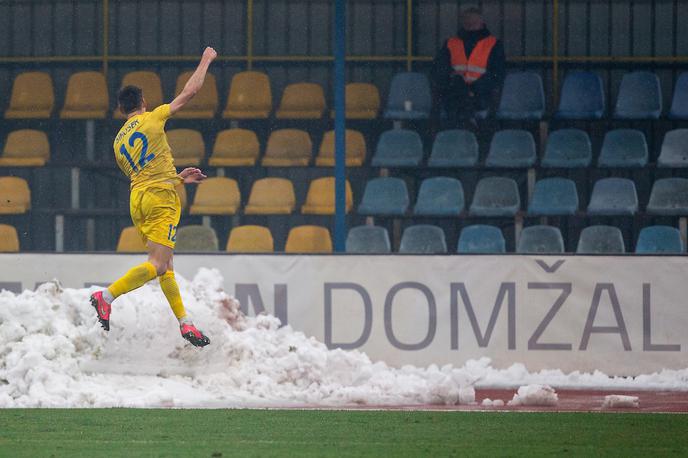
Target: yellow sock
(135, 278)
(171, 290)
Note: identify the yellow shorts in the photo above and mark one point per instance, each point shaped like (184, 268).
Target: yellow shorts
(155, 212)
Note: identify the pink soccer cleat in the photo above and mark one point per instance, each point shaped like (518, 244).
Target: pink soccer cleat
(103, 309)
(193, 335)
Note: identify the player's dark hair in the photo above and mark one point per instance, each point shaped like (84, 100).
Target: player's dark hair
(130, 98)
(471, 10)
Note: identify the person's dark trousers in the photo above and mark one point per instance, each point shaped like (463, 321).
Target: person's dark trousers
(460, 102)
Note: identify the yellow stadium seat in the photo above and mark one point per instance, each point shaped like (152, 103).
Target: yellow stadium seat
(271, 196)
(187, 146)
(204, 103)
(235, 148)
(149, 82)
(196, 239)
(87, 97)
(308, 239)
(320, 197)
(181, 191)
(355, 149)
(15, 196)
(9, 240)
(32, 96)
(302, 101)
(362, 101)
(250, 239)
(25, 148)
(288, 148)
(130, 241)
(250, 96)
(216, 196)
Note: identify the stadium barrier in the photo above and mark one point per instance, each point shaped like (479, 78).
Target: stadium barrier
(622, 315)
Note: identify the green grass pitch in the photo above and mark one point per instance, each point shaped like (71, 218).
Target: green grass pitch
(221, 433)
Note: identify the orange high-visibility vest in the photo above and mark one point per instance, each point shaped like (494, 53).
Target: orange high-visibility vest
(474, 66)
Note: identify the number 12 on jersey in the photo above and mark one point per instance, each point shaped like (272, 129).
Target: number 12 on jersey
(144, 158)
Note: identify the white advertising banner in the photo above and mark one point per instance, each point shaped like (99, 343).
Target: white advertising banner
(621, 315)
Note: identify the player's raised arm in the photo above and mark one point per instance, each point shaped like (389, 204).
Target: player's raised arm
(195, 82)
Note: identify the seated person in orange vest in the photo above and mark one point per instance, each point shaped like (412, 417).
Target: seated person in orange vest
(468, 70)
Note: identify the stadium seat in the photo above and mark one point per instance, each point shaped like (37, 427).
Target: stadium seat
(149, 82)
(187, 147)
(250, 96)
(413, 88)
(600, 240)
(32, 96)
(368, 239)
(423, 239)
(481, 238)
(235, 148)
(9, 239)
(301, 101)
(669, 196)
(454, 148)
(321, 195)
(362, 101)
(398, 148)
(25, 148)
(567, 148)
(523, 97)
(271, 196)
(216, 196)
(181, 192)
(204, 103)
(250, 239)
(195, 238)
(288, 148)
(582, 96)
(540, 239)
(440, 196)
(15, 196)
(130, 241)
(623, 148)
(355, 148)
(512, 149)
(553, 197)
(640, 96)
(385, 196)
(87, 97)
(496, 196)
(613, 196)
(679, 103)
(659, 239)
(308, 239)
(674, 151)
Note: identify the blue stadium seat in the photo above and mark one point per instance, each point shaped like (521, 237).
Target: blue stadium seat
(674, 149)
(384, 196)
(368, 239)
(440, 196)
(669, 196)
(640, 96)
(454, 148)
(413, 87)
(398, 148)
(601, 239)
(481, 238)
(567, 148)
(496, 196)
(623, 148)
(582, 96)
(523, 97)
(540, 239)
(423, 239)
(659, 239)
(512, 148)
(554, 196)
(613, 196)
(679, 103)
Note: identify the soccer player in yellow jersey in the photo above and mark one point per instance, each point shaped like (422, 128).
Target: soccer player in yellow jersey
(143, 154)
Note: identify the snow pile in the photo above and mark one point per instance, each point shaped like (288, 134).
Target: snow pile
(487, 402)
(617, 400)
(535, 395)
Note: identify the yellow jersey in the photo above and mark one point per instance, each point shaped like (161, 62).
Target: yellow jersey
(142, 151)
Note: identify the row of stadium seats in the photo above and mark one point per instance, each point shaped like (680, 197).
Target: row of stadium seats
(509, 148)
(250, 97)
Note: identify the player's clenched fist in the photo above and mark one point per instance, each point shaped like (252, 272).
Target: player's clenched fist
(209, 53)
